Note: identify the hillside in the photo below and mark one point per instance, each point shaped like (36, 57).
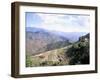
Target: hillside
(76, 53)
(39, 40)
(79, 52)
(55, 57)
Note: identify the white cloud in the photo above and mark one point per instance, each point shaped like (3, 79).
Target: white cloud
(65, 23)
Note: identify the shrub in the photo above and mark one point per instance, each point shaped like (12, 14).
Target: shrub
(28, 61)
(79, 53)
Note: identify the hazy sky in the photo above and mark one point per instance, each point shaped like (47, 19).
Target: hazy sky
(58, 22)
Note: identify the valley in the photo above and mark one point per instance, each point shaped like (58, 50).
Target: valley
(51, 48)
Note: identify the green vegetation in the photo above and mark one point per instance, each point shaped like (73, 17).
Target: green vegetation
(79, 53)
(28, 61)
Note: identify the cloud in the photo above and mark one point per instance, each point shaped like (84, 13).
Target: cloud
(65, 23)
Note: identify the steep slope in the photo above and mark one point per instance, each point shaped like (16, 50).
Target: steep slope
(79, 52)
(40, 40)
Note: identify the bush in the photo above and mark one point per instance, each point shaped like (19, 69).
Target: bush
(79, 53)
(28, 61)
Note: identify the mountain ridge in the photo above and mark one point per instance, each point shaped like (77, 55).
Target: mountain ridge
(72, 36)
(40, 40)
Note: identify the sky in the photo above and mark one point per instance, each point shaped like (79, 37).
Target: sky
(58, 22)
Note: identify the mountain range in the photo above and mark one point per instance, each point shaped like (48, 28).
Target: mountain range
(75, 53)
(40, 40)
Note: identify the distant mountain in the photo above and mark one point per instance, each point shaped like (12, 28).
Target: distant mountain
(31, 29)
(71, 36)
(40, 40)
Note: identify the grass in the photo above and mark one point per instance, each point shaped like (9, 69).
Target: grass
(29, 62)
(50, 58)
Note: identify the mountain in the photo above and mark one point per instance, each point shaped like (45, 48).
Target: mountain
(73, 54)
(84, 38)
(79, 52)
(31, 29)
(40, 40)
(71, 36)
